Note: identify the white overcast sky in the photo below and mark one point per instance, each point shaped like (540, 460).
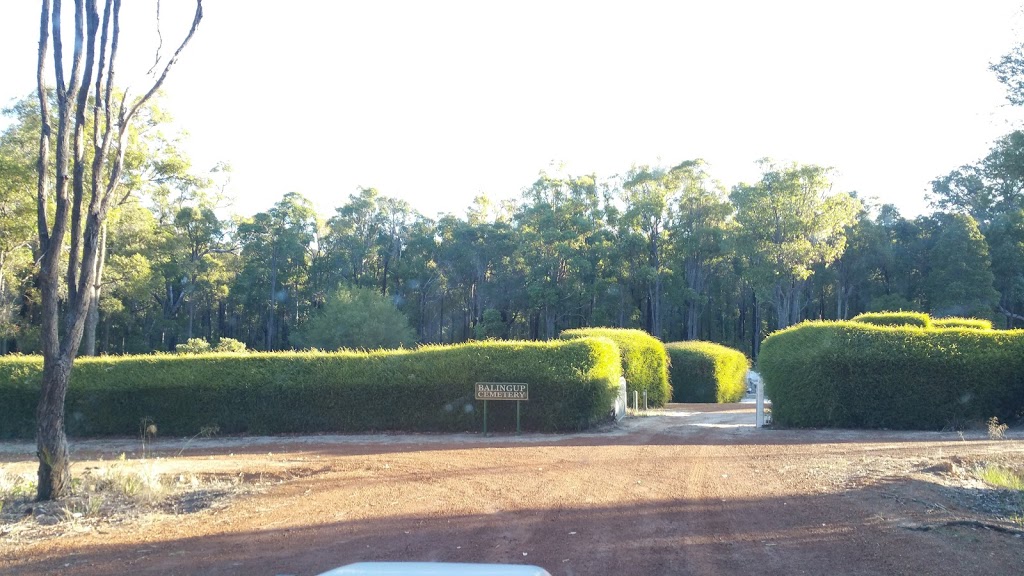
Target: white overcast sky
(437, 102)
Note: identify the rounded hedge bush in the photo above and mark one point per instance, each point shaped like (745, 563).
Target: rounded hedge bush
(856, 375)
(644, 361)
(919, 319)
(955, 322)
(572, 386)
(706, 372)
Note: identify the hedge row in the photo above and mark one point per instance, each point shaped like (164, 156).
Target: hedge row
(855, 375)
(644, 361)
(707, 372)
(954, 322)
(919, 319)
(572, 386)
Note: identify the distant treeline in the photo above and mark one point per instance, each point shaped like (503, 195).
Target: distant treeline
(665, 249)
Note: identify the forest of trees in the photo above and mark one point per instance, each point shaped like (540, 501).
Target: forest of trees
(663, 248)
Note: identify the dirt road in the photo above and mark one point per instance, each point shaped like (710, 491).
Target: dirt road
(693, 489)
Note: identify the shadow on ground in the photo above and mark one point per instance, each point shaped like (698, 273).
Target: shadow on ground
(858, 532)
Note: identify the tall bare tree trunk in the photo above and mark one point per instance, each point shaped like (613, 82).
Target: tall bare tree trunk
(92, 321)
(54, 474)
(59, 347)
(656, 295)
(272, 302)
(656, 307)
(782, 306)
(755, 328)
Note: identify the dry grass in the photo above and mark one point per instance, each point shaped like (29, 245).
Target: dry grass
(996, 431)
(107, 493)
(15, 489)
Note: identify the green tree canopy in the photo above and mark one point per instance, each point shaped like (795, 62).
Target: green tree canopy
(961, 279)
(789, 222)
(356, 318)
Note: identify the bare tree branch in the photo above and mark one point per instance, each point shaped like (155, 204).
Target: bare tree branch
(1009, 314)
(167, 68)
(58, 50)
(160, 43)
(45, 131)
(78, 178)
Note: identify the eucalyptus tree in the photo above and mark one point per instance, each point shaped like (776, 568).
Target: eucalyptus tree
(960, 282)
(1006, 239)
(201, 234)
(648, 194)
(353, 239)
(697, 231)
(96, 41)
(275, 250)
(1010, 72)
(843, 287)
(17, 227)
(554, 223)
(501, 305)
(365, 244)
(987, 188)
(128, 312)
(788, 222)
(153, 165)
(422, 279)
(469, 270)
(898, 264)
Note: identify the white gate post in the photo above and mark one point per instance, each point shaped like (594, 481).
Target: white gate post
(759, 422)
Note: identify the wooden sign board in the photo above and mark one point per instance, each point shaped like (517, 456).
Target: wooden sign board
(502, 391)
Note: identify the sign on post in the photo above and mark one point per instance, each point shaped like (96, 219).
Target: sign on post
(502, 391)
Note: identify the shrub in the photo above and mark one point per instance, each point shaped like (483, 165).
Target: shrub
(644, 361)
(230, 345)
(490, 326)
(572, 386)
(919, 319)
(855, 375)
(956, 322)
(356, 318)
(706, 372)
(193, 346)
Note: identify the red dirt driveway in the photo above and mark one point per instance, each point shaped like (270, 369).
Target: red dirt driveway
(692, 489)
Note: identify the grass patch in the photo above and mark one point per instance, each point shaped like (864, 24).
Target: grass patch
(1009, 479)
(1003, 478)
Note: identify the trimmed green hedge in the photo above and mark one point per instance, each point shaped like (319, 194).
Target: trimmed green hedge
(644, 361)
(919, 319)
(855, 375)
(706, 372)
(572, 386)
(955, 322)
